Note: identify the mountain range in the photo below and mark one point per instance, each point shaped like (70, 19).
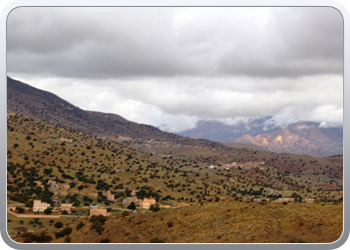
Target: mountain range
(302, 137)
(260, 133)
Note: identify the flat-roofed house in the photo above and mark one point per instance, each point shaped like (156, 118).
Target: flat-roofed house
(39, 206)
(146, 203)
(99, 211)
(66, 206)
(110, 196)
(128, 200)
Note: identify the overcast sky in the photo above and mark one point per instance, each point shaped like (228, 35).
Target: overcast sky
(171, 67)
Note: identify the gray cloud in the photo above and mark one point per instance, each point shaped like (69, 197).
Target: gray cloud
(170, 67)
(130, 42)
(297, 42)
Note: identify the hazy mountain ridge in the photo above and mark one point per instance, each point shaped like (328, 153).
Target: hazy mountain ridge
(301, 137)
(218, 131)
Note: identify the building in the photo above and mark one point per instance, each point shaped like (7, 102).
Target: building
(285, 200)
(128, 200)
(309, 200)
(110, 196)
(66, 140)
(66, 206)
(54, 186)
(99, 211)
(39, 206)
(146, 203)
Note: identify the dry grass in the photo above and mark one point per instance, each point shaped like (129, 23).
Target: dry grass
(241, 223)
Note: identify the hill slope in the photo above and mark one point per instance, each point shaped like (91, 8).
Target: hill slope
(38, 104)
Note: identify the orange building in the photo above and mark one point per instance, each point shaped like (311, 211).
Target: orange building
(66, 140)
(110, 196)
(99, 211)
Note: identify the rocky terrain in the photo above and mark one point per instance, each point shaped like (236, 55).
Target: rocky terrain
(293, 140)
(301, 137)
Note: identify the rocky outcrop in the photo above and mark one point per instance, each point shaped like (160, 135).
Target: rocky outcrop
(285, 141)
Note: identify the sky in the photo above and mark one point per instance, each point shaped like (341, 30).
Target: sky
(171, 67)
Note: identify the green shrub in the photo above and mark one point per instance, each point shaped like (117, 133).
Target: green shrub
(64, 232)
(154, 207)
(107, 240)
(98, 222)
(20, 210)
(132, 206)
(80, 225)
(48, 211)
(39, 238)
(157, 240)
(58, 224)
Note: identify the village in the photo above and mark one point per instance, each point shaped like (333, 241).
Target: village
(130, 204)
(46, 210)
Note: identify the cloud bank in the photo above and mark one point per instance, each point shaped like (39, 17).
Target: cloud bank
(170, 67)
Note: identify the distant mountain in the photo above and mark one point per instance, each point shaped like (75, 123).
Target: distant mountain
(218, 131)
(38, 104)
(298, 138)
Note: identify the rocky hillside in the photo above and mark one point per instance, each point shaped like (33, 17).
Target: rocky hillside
(37, 104)
(298, 138)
